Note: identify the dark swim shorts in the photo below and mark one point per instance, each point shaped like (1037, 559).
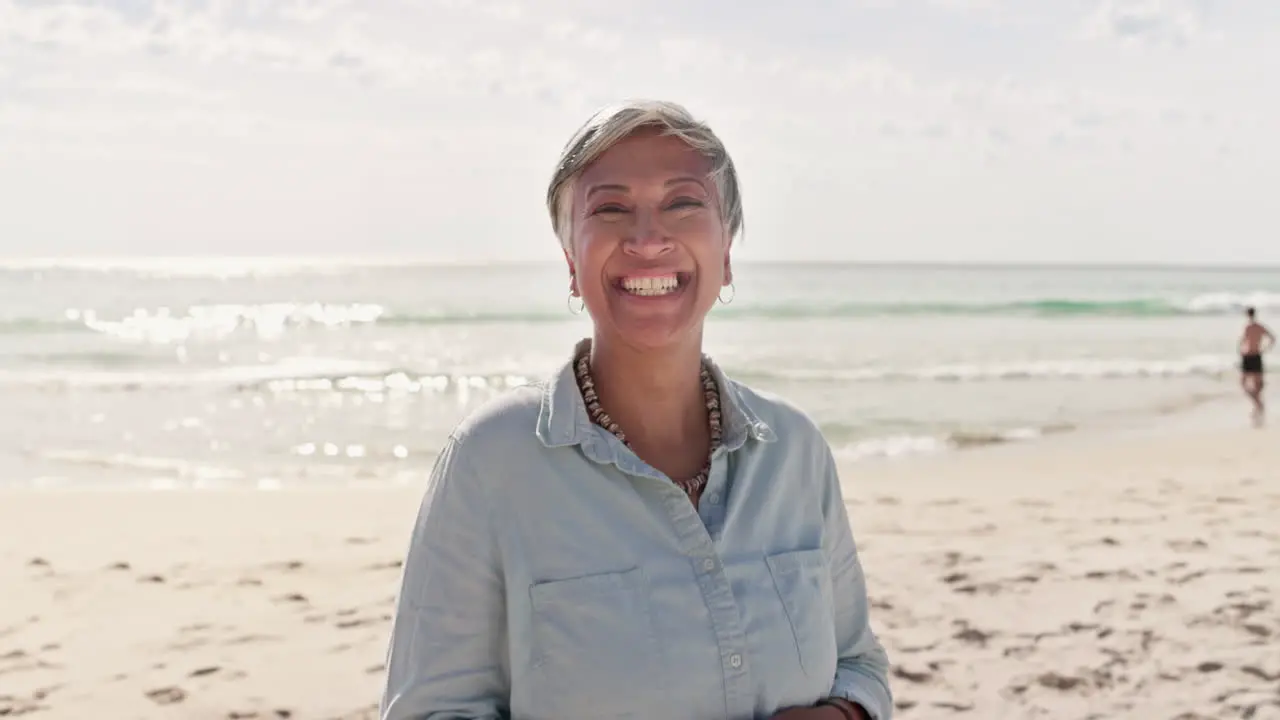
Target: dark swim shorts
(1251, 363)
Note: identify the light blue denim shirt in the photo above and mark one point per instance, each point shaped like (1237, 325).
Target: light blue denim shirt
(552, 574)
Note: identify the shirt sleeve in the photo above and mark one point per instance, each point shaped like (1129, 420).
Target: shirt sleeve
(862, 671)
(447, 656)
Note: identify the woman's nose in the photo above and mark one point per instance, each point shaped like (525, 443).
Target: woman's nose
(648, 237)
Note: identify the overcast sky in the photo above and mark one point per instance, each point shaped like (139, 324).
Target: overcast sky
(923, 130)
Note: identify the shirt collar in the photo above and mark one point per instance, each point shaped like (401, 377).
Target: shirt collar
(563, 420)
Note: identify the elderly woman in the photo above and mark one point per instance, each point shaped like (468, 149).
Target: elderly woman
(639, 536)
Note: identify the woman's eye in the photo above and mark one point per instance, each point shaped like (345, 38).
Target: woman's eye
(686, 203)
(608, 210)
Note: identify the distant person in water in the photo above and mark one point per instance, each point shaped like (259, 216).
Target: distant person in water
(1256, 340)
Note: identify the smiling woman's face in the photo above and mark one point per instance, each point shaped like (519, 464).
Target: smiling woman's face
(650, 251)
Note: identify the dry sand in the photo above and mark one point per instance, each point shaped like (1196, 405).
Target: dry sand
(1081, 578)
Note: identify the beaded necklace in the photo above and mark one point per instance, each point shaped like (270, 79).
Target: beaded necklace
(587, 386)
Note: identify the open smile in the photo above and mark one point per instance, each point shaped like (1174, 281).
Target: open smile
(656, 285)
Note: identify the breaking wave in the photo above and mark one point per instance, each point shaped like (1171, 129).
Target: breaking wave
(216, 321)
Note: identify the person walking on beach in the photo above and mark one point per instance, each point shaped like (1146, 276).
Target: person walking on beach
(1256, 340)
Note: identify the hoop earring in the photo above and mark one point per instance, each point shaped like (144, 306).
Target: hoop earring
(733, 292)
(581, 305)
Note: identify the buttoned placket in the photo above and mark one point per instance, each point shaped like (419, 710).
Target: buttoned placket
(712, 506)
(694, 530)
(696, 542)
(697, 530)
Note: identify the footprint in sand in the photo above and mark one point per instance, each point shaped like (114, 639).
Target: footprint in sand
(20, 660)
(951, 559)
(1183, 580)
(1187, 545)
(167, 695)
(876, 604)
(1261, 674)
(1111, 575)
(1260, 630)
(902, 673)
(986, 588)
(12, 706)
(362, 622)
(252, 639)
(972, 635)
(1054, 681)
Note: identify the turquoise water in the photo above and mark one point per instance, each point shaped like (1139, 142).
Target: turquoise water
(214, 372)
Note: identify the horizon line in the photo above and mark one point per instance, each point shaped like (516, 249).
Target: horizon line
(145, 261)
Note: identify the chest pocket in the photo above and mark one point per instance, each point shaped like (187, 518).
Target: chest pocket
(595, 652)
(804, 585)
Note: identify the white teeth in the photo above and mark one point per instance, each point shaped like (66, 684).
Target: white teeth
(654, 285)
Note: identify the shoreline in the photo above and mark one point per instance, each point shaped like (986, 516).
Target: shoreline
(1220, 418)
(1221, 411)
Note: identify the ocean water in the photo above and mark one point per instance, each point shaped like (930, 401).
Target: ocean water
(208, 373)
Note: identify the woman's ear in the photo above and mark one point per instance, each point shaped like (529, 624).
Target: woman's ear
(573, 274)
(728, 262)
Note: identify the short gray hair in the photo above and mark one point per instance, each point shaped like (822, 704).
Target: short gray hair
(612, 124)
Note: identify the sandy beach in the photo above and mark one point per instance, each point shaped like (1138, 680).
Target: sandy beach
(1087, 577)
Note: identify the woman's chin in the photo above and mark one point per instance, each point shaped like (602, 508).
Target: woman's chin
(652, 322)
(650, 332)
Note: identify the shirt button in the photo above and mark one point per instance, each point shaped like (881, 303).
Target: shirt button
(709, 564)
(735, 661)
(713, 498)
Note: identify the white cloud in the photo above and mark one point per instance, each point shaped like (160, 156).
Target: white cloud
(1151, 22)
(405, 123)
(968, 5)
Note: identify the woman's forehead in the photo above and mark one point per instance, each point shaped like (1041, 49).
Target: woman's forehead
(650, 157)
